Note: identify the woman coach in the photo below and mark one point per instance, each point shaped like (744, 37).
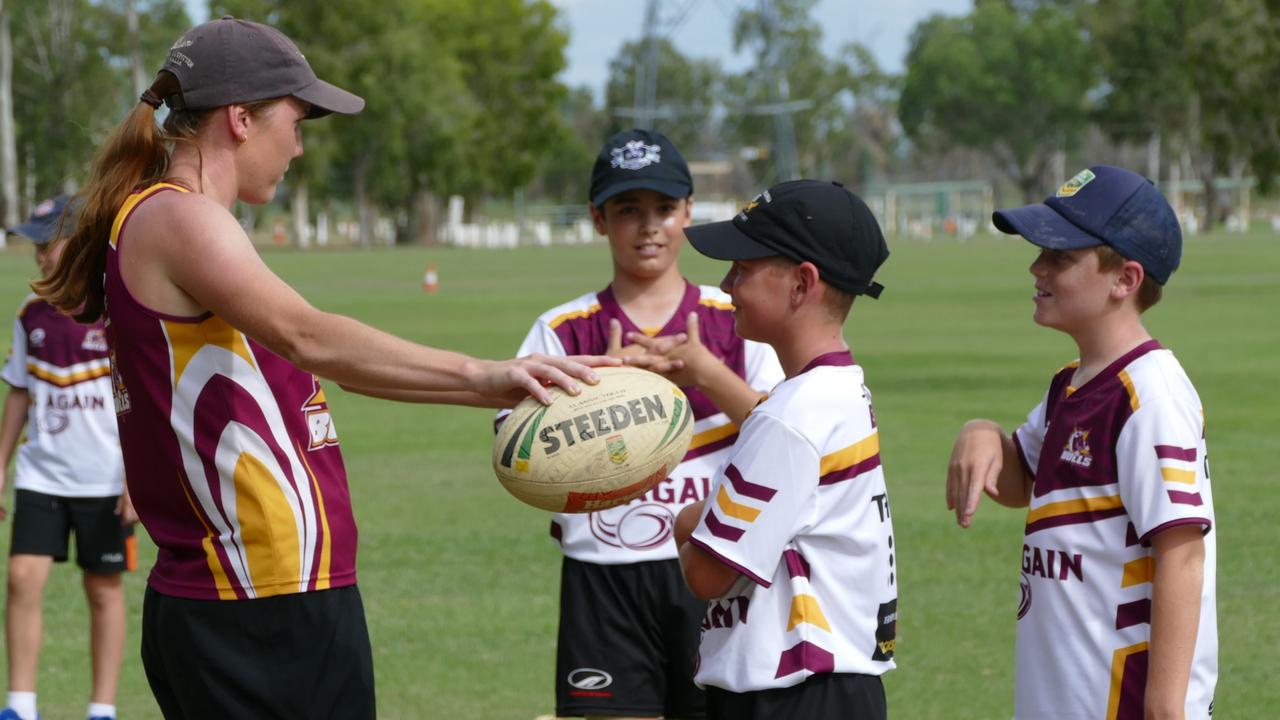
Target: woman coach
(231, 458)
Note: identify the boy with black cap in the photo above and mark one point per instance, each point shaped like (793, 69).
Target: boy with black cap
(1118, 616)
(69, 480)
(628, 626)
(799, 533)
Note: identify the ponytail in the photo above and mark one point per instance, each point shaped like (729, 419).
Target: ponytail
(135, 154)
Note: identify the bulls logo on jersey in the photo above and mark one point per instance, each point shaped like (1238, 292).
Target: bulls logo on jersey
(1077, 450)
(319, 421)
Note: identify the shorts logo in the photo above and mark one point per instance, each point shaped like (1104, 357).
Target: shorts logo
(635, 155)
(1077, 450)
(590, 679)
(1024, 605)
(36, 338)
(1074, 185)
(112, 557)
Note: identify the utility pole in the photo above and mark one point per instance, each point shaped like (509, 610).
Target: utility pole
(646, 78)
(780, 105)
(8, 144)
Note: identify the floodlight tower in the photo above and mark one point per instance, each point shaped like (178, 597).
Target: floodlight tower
(646, 81)
(779, 89)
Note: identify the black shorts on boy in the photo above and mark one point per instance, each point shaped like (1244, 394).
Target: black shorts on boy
(43, 525)
(615, 656)
(828, 696)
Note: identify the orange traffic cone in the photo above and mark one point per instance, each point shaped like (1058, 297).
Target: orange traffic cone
(278, 235)
(430, 280)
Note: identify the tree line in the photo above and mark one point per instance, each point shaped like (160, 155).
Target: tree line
(464, 96)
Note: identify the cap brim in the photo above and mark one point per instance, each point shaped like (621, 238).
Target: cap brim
(326, 98)
(1043, 226)
(670, 188)
(37, 234)
(724, 241)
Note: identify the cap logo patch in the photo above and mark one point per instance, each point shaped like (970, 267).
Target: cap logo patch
(43, 208)
(635, 155)
(763, 197)
(1073, 186)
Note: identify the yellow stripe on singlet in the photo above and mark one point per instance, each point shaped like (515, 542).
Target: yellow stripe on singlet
(186, 339)
(132, 201)
(326, 551)
(220, 580)
(268, 529)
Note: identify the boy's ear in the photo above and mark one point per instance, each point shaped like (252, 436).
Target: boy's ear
(1129, 280)
(597, 218)
(807, 283)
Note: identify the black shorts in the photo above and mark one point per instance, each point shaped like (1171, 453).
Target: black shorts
(303, 656)
(628, 641)
(829, 696)
(42, 525)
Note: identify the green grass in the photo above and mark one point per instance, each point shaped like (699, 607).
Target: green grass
(461, 582)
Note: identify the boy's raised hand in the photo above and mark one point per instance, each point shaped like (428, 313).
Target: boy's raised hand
(689, 358)
(976, 461)
(644, 352)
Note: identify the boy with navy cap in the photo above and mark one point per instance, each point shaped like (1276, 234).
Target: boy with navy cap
(69, 480)
(628, 626)
(797, 532)
(1117, 617)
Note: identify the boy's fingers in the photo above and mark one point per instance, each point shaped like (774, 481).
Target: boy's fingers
(615, 337)
(691, 327)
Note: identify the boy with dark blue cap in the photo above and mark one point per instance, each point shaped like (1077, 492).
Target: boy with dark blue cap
(1117, 616)
(628, 626)
(68, 479)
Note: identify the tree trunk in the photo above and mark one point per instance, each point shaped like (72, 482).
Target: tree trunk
(1206, 169)
(426, 213)
(136, 68)
(298, 207)
(364, 208)
(8, 141)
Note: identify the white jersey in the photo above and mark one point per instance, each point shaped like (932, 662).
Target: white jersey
(1115, 461)
(800, 509)
(73, 446)
(643, 529)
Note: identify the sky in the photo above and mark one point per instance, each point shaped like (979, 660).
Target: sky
(703, 29)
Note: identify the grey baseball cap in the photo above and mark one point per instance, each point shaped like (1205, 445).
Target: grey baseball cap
(228, 61)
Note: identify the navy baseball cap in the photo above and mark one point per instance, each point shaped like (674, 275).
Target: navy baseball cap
(806, 221)
(1103, 205)
(45, 221)
(639, 160)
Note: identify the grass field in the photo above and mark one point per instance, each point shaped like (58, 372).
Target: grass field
(460, 581)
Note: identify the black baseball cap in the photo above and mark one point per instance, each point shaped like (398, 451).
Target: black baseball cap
(1103, 205)
(229, 61)
(639, 160)
(46, 219)
(806, 221)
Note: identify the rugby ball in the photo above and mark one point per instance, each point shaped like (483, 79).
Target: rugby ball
(604, 447)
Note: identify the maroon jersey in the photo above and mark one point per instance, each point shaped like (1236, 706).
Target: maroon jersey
(230, 454)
